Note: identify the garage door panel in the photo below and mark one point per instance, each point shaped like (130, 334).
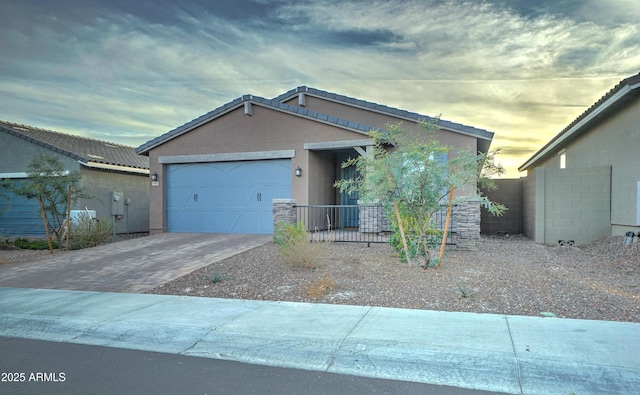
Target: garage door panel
(183, 175)
(246, 221)
(241, 196)
(181, 197)
(227, 197)
(183, 220)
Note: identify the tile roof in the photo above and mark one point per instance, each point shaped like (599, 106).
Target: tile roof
(232, 105)
(619, 95)
(80, 148)
(484, 136)
(444, 124)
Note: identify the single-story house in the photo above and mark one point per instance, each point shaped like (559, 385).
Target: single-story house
(116, 178)
(221, 171)
(584, 183)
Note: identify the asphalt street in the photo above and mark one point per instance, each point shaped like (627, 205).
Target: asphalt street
(82, 369)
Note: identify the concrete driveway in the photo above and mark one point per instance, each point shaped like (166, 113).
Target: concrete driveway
(132, 266)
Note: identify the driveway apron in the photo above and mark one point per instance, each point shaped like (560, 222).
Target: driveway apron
(132, 266)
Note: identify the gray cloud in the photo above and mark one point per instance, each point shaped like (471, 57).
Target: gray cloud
(129, 71)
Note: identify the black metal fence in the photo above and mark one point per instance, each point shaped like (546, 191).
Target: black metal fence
(340, 223)
(354, 223)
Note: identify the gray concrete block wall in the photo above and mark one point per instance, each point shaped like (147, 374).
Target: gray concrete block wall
(577, 204)
(509, 193)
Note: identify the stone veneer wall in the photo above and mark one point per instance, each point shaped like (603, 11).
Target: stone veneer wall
(465, 219)
(284, 210)
(372, 218)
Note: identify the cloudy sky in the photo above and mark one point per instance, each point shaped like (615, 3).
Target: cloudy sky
(127, 71)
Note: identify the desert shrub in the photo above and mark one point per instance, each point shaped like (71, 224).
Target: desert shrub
(320, 287)
(216, 277)
(87, 232)
(21, 243)
(25, 244)
(297, 247)
(285, 233)
(7, 245)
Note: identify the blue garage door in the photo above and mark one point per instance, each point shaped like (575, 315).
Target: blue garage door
(19, 216)
(226, 197)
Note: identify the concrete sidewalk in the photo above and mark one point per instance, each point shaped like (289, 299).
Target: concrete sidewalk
(510, 354)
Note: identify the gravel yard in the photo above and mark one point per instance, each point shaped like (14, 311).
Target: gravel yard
(507, 275)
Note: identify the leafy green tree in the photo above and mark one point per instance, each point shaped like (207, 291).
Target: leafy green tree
(55, 189)
(411, 174)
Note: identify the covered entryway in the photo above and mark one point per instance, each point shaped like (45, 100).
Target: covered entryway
(226, 197)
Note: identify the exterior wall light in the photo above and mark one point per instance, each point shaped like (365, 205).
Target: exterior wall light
(154, 177)
(298, 171)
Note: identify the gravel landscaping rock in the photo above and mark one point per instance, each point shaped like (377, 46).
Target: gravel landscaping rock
(507, 275)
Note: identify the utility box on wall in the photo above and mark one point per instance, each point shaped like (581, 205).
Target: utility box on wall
(117, 203)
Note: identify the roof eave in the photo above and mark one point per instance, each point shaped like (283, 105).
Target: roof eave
(382, 109)
(258, 101)
(106, 166)
(579, 127)
(196, 122)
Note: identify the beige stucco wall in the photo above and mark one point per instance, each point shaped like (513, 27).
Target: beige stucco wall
(378, 120)
(265, 130)
(135, 188)
(322, 176)
(613, 142)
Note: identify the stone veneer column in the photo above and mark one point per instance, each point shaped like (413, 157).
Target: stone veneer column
(371, 217)
(465, 221)
(284, 210)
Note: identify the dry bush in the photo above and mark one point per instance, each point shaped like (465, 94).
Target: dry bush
(304, 254)
(320, 287)
(299, 249)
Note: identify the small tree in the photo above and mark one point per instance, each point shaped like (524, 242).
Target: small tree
(412, 174)
(54, 188)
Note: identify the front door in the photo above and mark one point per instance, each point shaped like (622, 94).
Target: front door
(349, 216)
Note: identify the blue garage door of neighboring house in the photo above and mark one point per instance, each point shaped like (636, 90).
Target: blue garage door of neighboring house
(226, 197)
(20, 217)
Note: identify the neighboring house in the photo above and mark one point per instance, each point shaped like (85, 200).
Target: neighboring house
(108, 171)
(221, 171)
(584, 184)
